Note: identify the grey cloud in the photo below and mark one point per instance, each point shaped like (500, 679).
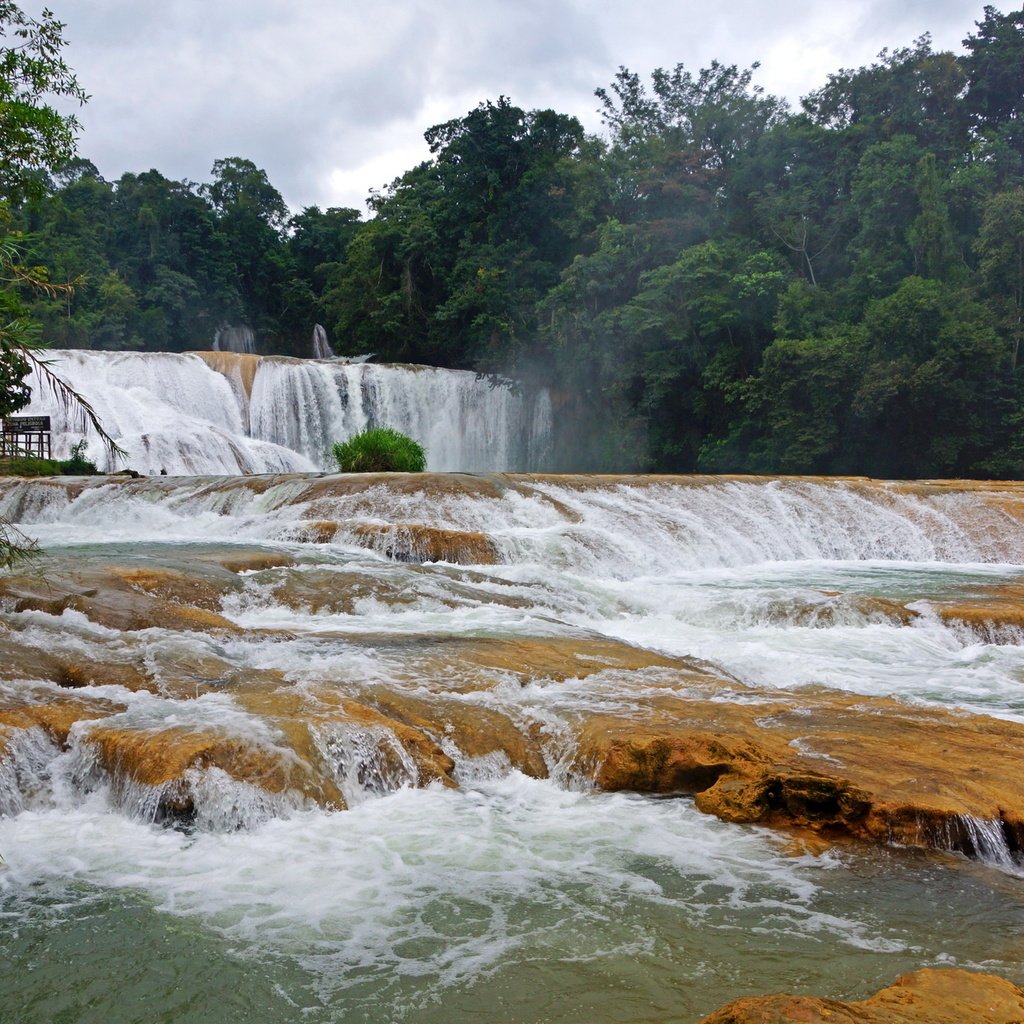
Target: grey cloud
(334, 90)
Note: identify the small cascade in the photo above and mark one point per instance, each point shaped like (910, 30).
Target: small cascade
(984, 840)
(321, 346)
(367, 761)
(229, 338)
(580, 526)
(38, 775)
(24, 770)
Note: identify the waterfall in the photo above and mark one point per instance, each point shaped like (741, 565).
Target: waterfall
(226, 412)
(234, 339)
(321, 346)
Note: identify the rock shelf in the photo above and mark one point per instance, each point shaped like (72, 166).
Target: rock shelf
(922, 997)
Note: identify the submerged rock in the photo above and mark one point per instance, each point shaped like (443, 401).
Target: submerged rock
(126, 598)
(414, 542)
(55, 717)
(921, 997)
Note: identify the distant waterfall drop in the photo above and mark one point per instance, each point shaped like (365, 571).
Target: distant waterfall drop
(321, 346)
(227, 412)
(235, 339)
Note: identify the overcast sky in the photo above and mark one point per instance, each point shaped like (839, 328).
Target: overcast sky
(331, 97)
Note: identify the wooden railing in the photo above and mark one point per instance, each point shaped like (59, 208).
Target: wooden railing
(25, 437)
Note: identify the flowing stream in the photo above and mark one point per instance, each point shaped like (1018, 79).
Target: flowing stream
(511, 897)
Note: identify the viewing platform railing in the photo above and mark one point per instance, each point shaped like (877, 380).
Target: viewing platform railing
(25, 437)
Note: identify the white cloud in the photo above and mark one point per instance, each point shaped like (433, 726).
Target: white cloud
(331, 97)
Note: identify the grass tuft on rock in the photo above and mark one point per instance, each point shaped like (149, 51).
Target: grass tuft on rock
(381, 450)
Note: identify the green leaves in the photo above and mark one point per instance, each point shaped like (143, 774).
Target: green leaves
(34, 137)
(380, 450)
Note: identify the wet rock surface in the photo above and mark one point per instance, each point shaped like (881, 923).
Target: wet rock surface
(128, 599)
(994, 615)
(922, 997)
(407, 705)
(870, 768)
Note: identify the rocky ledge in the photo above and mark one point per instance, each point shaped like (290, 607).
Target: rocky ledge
(837, 764)
(832, 762)
(922, 997)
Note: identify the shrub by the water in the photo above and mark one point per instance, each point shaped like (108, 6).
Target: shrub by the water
(381, 450)
(78, 464)
(31, 465)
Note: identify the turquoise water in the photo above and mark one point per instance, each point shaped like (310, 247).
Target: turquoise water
(511, 901)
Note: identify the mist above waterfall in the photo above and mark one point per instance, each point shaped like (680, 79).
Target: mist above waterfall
(235, 339)
(221, 412)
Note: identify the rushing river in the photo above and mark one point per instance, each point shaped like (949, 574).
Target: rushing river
(509, 898)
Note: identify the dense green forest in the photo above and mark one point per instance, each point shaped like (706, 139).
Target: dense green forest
(718, 283)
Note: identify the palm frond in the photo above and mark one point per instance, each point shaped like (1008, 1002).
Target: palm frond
(15, 546)
(71, 401)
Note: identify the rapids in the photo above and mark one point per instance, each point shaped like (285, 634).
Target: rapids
(513, 608)
(230, 411)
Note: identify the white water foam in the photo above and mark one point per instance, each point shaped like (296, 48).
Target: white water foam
(433, 881)
(174, 413)
(413, 895)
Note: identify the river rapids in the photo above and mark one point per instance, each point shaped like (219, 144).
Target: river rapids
(432, 653)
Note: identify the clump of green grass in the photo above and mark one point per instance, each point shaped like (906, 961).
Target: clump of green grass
(28, 466)
(32, 465)
(381, 450)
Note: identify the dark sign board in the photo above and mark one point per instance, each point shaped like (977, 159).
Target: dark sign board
(27, 425)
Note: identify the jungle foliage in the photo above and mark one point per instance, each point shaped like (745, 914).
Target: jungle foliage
(718, 283)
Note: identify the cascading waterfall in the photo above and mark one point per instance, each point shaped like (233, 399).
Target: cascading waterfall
(238, 338)
(626, 528)
(234, 413)
(321, 346)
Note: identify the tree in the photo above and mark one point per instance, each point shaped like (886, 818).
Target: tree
(799, 404)
(34, 138)
(320, 238)
(884, 201)
(718, 112)
(910, 91)
(1000, 246)
(935, 391)
(464, 246)
(252, 217)
(674, 149)
(931, 233)
(995, 78)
